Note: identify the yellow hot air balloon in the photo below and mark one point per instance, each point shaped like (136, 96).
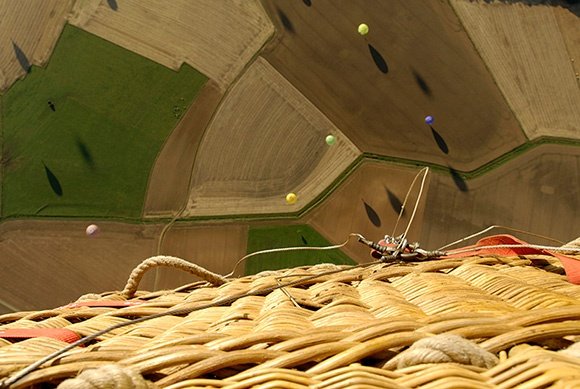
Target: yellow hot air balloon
(291, 198)
(363, 29)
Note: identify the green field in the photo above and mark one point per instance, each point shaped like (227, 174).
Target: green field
(92, 155)
(262, 238)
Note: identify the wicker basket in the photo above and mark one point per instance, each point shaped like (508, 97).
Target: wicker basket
(476, 322)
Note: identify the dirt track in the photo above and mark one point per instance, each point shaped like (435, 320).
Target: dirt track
(431, 68)
(218, 38)
(266, 140)
(29, 32)
(529, 52)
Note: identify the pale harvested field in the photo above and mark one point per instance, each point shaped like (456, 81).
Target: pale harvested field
(344, 211)
(168, 186)
(528, 49)
(433, 69)
(265, 140)
(31, 28)
(570, 29)
(50, 263)
(215, 247)
(218, 38)
(537, 192)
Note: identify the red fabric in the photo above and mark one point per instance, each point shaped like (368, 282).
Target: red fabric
(104, 304)
(571, 265)
(26, 333)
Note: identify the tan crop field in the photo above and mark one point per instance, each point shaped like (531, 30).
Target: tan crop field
(49, 263)
(529, 51)
(30, 29)
(265, 141)
(218, 38)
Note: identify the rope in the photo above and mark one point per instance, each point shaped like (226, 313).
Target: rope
(177, 312)
(498, 226)
(162, 260)
(89, 297)
(515, 246)
(292, 249)
(443, 348)
(108, 376)
(425, 172)
(572, 351)
(571, 246)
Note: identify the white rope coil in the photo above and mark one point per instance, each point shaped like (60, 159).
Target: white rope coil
(573, 350)
(443, 348)
(108, 377)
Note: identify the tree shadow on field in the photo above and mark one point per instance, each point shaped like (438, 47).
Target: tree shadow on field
(85, 153)
(288, 26)
(307, 2)
(372, 215)
(395, 202)
(458, 180)
(53, 181)
(571, 5)
(113, 4)
(422, 84)
(379, 59)
(21, 57)
(439, 140)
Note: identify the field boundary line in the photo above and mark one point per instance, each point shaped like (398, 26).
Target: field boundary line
(365, 157)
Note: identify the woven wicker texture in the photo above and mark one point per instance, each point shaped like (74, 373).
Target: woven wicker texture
(478, 322)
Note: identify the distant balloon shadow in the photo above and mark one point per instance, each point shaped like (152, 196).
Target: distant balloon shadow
(85, 153)
(439, 140)
(395, 202)
(372, 215)
(379, 59)
(21, 57)
(458, 180)
(53, 181)
(422, 83)
(307, 2)
(113, 4)
(285, 21)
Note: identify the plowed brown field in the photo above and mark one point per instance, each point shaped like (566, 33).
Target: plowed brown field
(417, 60)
